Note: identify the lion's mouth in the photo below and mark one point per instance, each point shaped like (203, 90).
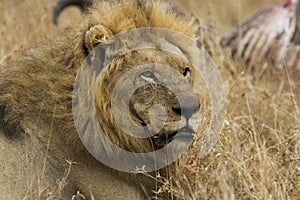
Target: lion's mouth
(185, 133)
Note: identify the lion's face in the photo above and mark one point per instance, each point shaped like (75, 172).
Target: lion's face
(161, 97)
(145, 97)
(156, 103)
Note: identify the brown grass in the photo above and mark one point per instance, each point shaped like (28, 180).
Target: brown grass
(258, 153)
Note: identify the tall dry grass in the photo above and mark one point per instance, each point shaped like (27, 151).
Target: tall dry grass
(258, 153)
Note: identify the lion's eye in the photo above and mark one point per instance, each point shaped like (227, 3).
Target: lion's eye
(149, 76)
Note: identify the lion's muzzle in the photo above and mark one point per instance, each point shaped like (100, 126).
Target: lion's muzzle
(188, 107)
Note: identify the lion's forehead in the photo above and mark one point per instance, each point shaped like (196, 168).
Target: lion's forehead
(166, 66)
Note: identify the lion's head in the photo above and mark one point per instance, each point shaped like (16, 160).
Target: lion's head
(144, 98)
(153, 86)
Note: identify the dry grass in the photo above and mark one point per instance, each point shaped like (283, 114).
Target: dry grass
(258, 153)
(25, 24)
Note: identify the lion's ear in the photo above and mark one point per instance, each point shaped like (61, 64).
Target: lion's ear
(96, 35)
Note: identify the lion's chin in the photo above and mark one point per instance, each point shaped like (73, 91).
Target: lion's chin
(183, 135)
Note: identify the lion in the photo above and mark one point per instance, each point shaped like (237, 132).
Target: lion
(42, 154)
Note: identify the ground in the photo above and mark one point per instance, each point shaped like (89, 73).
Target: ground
(258, 153)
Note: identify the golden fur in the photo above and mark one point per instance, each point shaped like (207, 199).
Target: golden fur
(36, 107)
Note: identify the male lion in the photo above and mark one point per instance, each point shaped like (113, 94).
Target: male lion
(39, 137)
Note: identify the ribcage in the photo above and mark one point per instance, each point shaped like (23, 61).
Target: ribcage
(266, 38)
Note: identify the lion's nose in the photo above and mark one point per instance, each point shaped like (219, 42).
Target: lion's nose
(187, 106)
